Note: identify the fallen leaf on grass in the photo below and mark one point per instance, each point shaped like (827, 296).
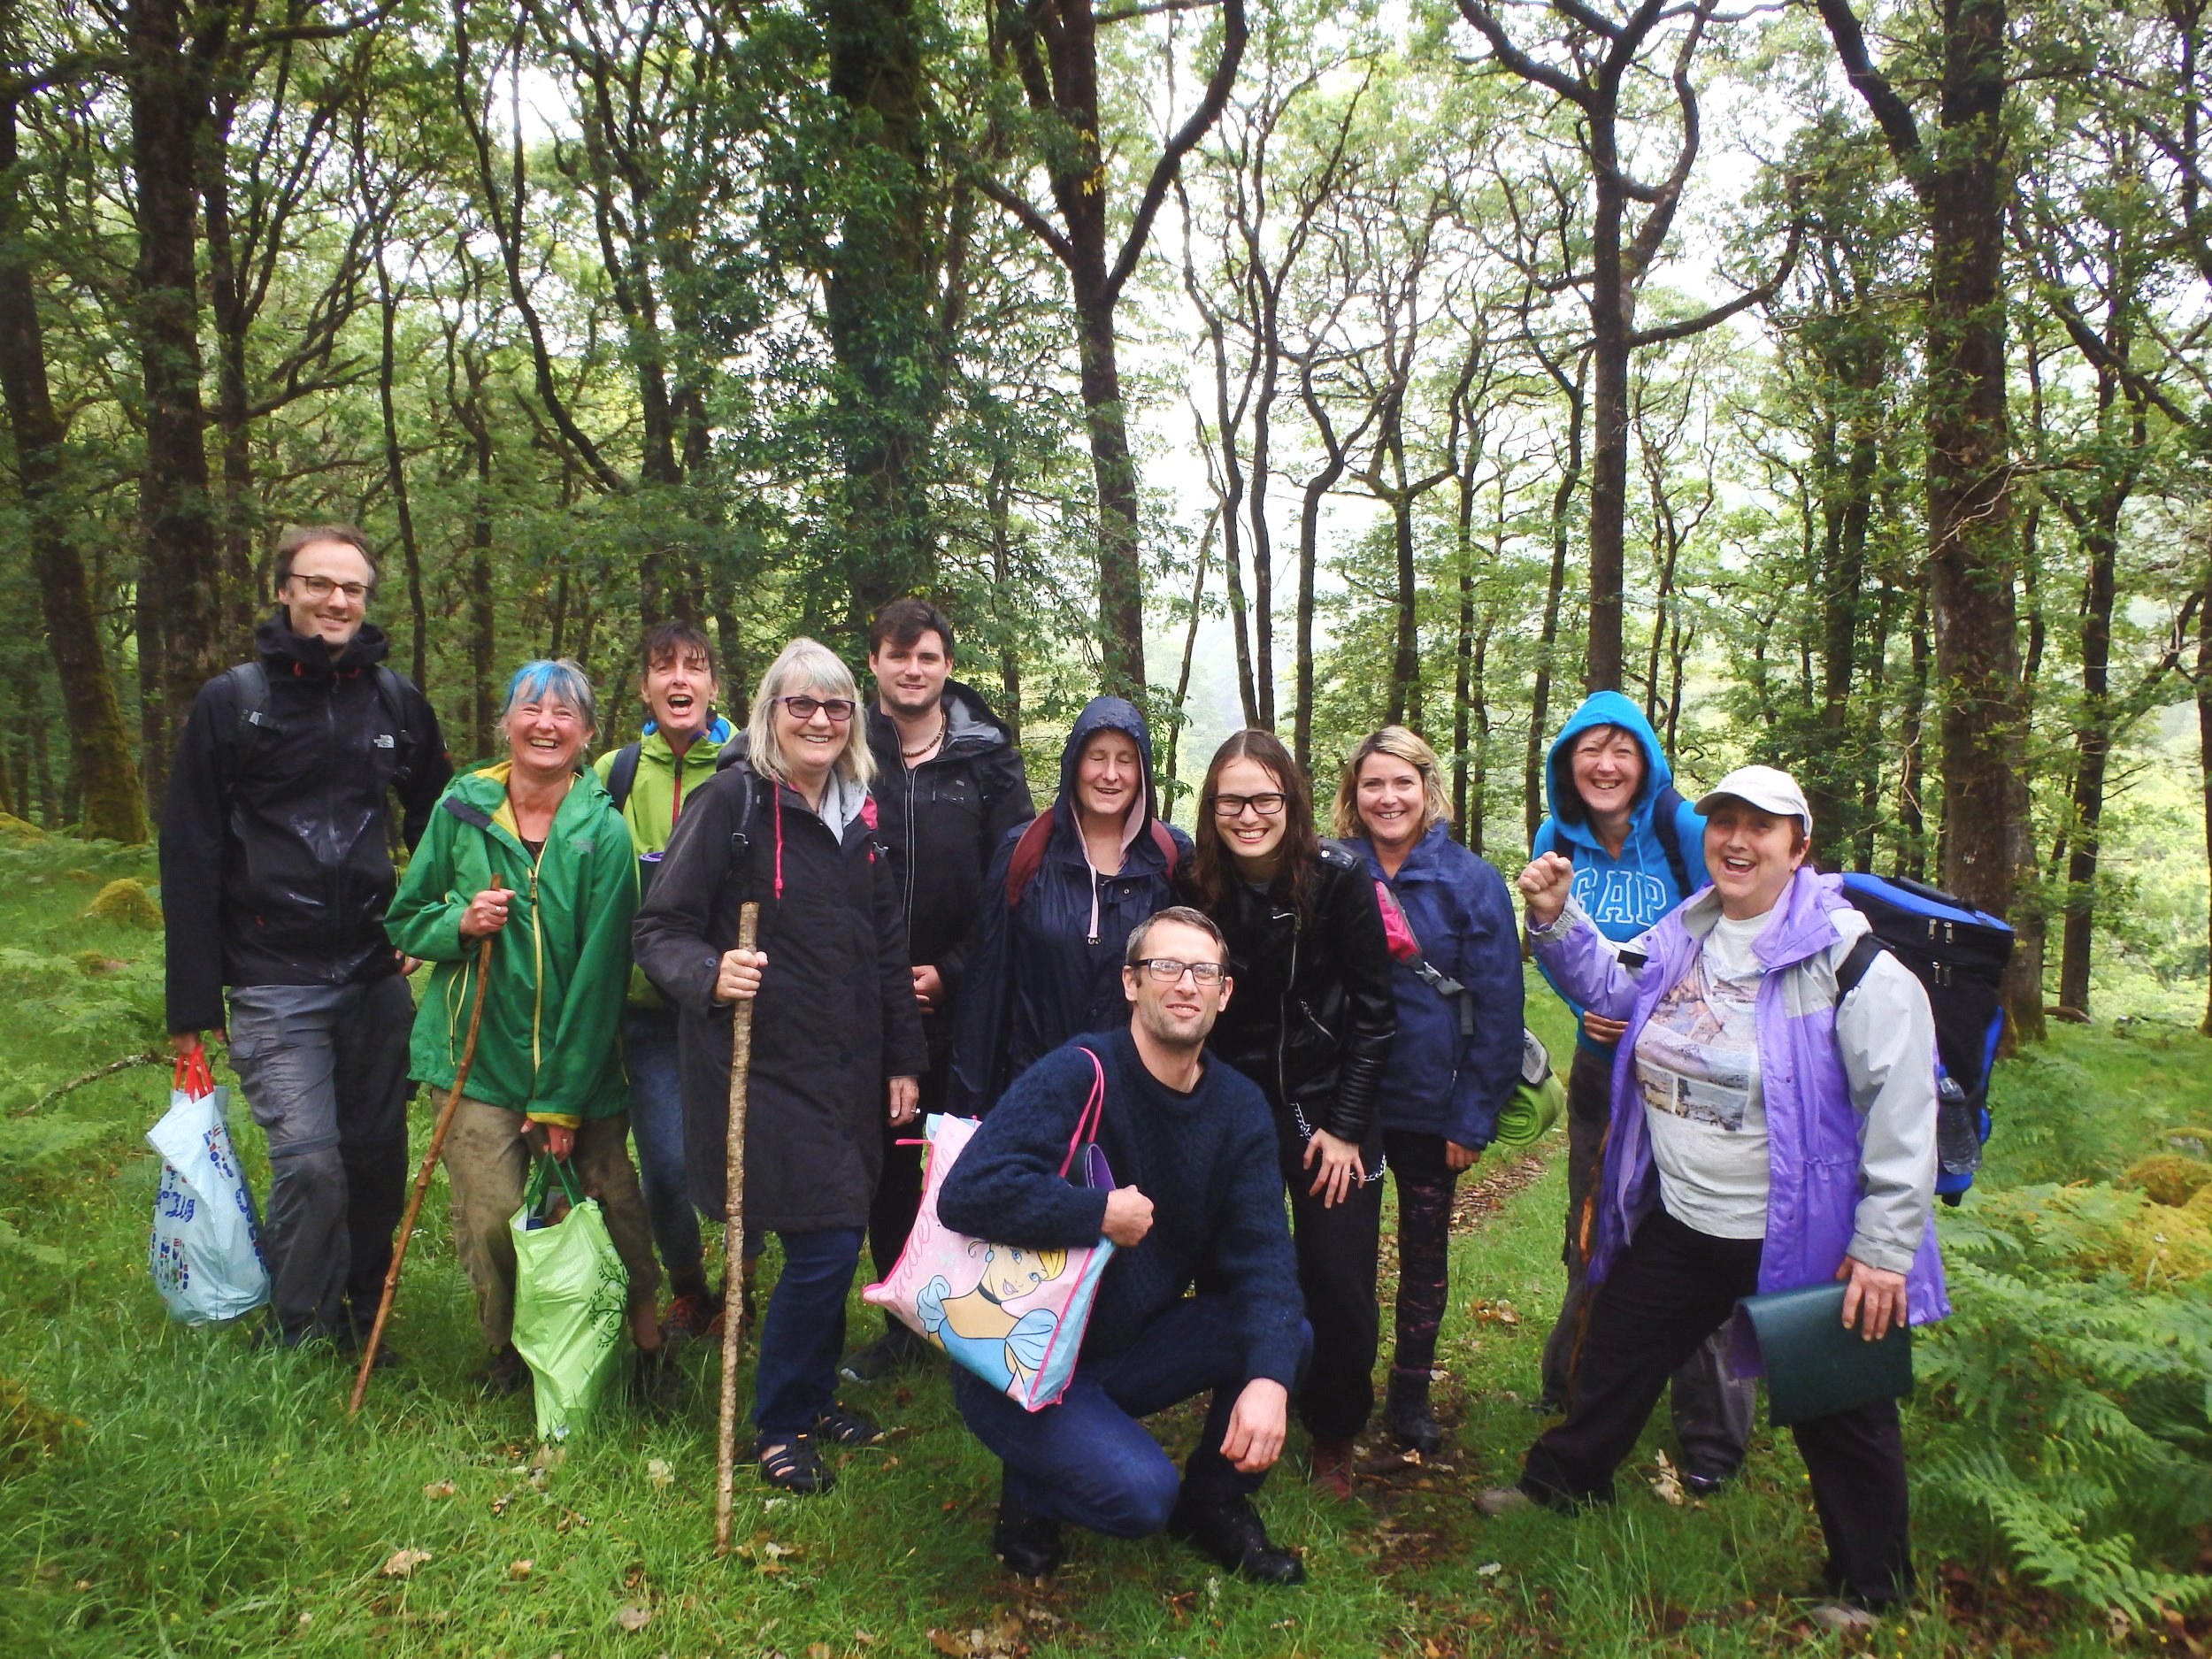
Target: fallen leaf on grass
(1489, 1570)
(438, 1489)
(817, 1650)
(1666, 1483)
(777, 1552)
(402, 1563)
(631, 1617)
(864, 1639)
(659, 1473)
(520, 1569)
(1488, 1312)
(956, 1646)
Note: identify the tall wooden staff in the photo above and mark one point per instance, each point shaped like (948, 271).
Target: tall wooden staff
(734, 1243)
(422, 1176)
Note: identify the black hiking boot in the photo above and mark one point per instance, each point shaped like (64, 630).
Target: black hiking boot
(1027, 1544)
(1407, 1415)
(1229, 1530)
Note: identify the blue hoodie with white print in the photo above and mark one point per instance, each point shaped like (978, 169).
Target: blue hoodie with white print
(1627, 894)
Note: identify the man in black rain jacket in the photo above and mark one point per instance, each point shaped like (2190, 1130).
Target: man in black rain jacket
(949, 783)
(275, 873)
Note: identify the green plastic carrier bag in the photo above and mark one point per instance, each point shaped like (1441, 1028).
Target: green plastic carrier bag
(572, 1294)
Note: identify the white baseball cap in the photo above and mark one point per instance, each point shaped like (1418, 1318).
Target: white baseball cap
(1768, 789)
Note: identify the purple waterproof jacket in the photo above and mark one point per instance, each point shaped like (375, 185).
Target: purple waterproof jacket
(1850, 1102)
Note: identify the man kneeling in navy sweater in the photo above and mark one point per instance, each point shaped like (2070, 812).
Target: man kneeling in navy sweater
(1193, 1141)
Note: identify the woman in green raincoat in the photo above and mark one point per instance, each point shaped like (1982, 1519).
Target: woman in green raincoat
(530, 853)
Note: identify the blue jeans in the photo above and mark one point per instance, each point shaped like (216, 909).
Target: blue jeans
(805, 1330)
(656, 1123)
(1087, 1460)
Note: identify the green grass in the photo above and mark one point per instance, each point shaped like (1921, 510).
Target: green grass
(211, 1500)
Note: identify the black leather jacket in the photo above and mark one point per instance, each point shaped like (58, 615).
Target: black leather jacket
(1312, 1015)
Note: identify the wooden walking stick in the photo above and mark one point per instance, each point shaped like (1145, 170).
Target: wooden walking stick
(422, 1176)
(734, 1244)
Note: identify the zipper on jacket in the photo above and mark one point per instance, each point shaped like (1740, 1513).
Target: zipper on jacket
(537, 965)
(911, 847)
(1282, 1022)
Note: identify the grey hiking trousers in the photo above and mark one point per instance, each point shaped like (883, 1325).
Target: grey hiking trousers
(1713, 1407)
(324, 1070)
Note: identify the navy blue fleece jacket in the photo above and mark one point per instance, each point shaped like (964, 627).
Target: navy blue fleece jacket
(1207, 1160)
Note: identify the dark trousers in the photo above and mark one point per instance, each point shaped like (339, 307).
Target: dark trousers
(898, 1195)
(1425, 1238)
(656, 1124)
(803, 1332)
(1670, 1289)
(1337, 1248)
(1712, 1407)
(324, 1070)
(1087, 1460)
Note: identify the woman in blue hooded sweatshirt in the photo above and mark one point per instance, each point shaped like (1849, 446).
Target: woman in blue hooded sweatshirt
(1058, 901)
(1638, 849)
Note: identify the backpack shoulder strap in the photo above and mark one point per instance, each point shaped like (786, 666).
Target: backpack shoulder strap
(1029, 852)
(1852, 968)
(1664, 805)
(1169, 852)
(622, 776)
(249, 685)
(391, 690)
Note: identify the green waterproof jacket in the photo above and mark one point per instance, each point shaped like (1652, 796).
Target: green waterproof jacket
(663, 784)
(551, 1043)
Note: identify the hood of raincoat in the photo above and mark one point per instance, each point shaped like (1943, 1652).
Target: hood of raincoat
(1602, 707)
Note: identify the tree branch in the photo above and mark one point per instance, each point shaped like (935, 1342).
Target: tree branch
(1891, 112)
(1743, 302)
(1485, 23)
(1032, 221)
(1234, 32)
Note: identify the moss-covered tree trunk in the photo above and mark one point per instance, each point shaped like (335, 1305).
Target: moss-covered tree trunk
(113, 809)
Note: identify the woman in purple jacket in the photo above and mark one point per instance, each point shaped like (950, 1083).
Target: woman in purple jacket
(1765, 1135)
(1458, 1053)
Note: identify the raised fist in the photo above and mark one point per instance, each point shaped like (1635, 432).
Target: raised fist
(1544, 888)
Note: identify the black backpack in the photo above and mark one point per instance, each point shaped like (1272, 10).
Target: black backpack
(249, 683)
(1959, 953)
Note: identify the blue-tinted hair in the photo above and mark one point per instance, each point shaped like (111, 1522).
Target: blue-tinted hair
(563, 680)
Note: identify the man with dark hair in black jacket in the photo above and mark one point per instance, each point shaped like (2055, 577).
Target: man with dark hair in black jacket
(949, 783)
(275, 873)
(1194, 1141)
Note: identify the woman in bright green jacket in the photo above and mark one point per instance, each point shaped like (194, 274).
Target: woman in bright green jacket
(529, 853)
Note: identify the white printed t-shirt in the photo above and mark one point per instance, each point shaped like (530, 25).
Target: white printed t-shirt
(1697, 1067)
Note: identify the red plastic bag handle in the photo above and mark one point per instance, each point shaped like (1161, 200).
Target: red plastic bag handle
(192, 1074)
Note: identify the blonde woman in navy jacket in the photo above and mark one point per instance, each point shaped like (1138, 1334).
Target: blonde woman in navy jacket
(1457, 1052)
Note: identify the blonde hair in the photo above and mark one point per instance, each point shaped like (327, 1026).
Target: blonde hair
(1400, 744)
(803, 666)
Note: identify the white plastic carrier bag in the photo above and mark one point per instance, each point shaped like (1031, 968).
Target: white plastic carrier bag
(206, 1249)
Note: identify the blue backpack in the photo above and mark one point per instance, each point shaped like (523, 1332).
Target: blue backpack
(1959, 953)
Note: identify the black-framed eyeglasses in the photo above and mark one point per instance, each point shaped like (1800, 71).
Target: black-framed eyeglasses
(839, 709)
(323, 586)
(1267, 805)
(1168, 969)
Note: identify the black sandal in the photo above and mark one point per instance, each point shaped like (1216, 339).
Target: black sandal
(790, 1463)
(848, 1428)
